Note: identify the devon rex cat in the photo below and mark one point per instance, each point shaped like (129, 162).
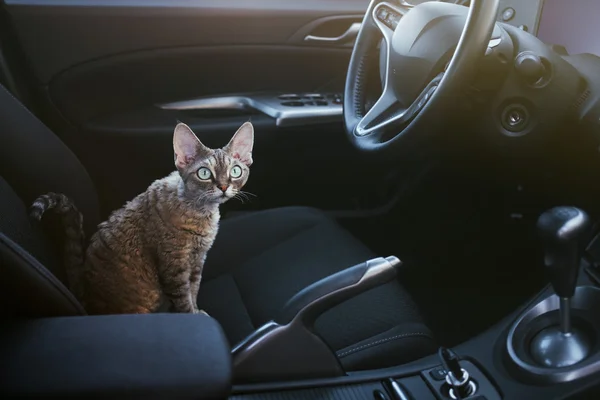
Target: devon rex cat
(152, 251)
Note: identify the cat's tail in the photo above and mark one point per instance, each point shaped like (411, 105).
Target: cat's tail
(72, 221)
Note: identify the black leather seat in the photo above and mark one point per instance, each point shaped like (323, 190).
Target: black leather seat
(258, 262)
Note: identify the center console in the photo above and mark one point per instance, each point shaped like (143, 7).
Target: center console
(547, 349)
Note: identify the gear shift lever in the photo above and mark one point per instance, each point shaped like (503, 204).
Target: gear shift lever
(562, 230)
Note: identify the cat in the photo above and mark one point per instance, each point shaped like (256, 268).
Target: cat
(151, 252)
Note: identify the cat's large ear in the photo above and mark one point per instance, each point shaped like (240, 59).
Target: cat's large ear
(240, 145)
(186, 145)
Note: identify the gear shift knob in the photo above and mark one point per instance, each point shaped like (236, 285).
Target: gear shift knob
(563, 231)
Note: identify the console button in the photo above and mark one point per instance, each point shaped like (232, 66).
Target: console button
(383, 13)
(289, 97)
(530, 66)
(392, 21)
(292, 103)
(438, 374)
(388, 18)
(508, 14)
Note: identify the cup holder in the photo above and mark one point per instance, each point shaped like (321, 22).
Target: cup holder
(585, 306)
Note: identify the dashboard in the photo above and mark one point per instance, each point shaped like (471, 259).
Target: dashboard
(571, 24)
(520, 13)
(571, 27)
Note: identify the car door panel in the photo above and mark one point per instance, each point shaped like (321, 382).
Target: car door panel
(105, 65)
(149, 77)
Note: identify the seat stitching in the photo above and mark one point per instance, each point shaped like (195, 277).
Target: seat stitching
(380, 341)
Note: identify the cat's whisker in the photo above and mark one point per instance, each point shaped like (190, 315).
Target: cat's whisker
(248, 193)
(242, 195)
(245, 195)
(241, 199)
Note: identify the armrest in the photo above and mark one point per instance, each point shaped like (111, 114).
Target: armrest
(113, 356)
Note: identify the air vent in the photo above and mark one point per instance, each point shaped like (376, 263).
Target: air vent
(581, 101)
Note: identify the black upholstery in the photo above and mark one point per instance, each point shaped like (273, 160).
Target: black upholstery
(167, 356)
(27, 151)
(259, 260)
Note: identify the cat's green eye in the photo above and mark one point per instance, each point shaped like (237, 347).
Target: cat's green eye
(204, 173)
(236, 171)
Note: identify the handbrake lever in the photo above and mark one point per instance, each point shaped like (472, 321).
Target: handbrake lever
(287, 347)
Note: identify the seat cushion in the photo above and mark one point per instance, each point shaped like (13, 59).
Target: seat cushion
(260, 260)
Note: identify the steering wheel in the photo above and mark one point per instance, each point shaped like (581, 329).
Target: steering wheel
(427, 54)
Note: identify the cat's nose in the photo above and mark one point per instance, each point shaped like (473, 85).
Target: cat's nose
(223, 188)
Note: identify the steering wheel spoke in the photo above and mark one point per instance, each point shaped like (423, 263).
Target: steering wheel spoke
(382, 114)
(387, 108)
(388, 112)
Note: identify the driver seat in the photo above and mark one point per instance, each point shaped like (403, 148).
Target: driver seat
(258, 262)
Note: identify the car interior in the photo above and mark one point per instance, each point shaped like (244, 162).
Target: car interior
(422, 219)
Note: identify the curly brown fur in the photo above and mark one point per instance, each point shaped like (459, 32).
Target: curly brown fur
(153, 249)
(72, 221)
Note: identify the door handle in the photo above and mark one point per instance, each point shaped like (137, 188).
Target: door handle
(350, 34)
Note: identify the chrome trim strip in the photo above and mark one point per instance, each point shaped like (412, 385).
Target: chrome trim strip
(211, 103)
(350, 34)
(268, 103)
(398, 391)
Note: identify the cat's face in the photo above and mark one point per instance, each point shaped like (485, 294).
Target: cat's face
(213, 175)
